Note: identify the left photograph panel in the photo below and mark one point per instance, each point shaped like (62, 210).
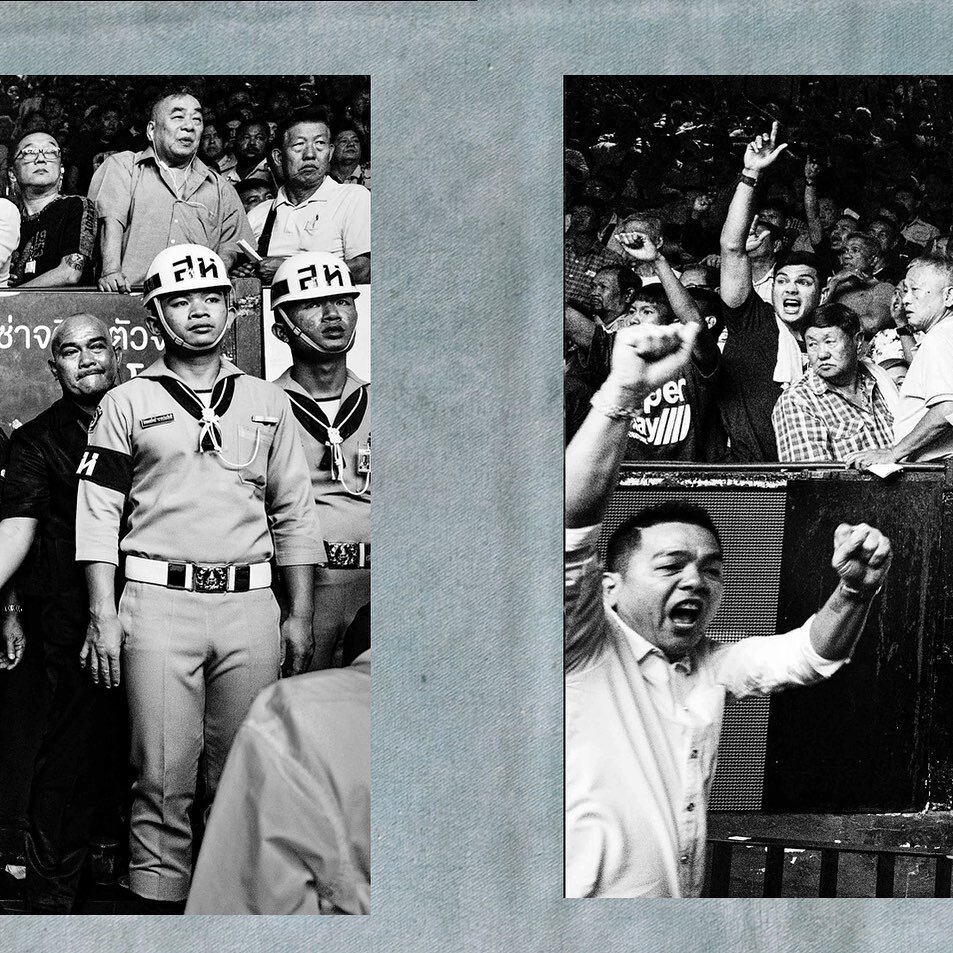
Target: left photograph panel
(185, 285)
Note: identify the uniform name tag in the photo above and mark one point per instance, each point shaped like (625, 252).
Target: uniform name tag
(258, 419)
(156, 421)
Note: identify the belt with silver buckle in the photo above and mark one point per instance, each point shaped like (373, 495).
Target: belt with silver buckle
(348, 555)
(196, 578)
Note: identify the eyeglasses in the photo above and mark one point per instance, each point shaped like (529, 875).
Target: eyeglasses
(31, 155)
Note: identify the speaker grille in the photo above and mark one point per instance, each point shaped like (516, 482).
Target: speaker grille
(751, 524)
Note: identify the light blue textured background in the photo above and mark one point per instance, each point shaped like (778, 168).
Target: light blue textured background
(467, 285)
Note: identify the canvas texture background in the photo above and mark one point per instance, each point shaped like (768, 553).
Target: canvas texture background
(467, 232)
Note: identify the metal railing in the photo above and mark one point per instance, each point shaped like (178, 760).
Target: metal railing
(722, 851)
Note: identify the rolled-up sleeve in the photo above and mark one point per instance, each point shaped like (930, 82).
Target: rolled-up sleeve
(764, 664)
(585, 616)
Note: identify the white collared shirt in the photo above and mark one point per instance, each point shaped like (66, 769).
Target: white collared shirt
(642, 737)
(336, 219)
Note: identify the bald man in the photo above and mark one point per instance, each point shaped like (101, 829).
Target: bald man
(48, 610)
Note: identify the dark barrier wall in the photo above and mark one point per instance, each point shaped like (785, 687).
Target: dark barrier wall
(877, 737)
(27, 320)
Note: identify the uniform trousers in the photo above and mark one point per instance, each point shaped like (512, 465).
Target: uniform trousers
(192, 664)
(338, 594)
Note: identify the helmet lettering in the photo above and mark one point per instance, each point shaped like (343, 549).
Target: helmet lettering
(182, 268)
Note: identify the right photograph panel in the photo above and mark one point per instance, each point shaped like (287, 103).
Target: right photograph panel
(758, 370)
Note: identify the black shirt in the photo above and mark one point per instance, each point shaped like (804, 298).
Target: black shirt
(747, 390)
(66, 226)
(41, 483)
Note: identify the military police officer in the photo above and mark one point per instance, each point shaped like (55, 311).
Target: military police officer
(313, 299)
(206, 463)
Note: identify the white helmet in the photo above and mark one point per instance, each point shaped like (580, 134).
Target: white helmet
(310, 276)
(181, 268)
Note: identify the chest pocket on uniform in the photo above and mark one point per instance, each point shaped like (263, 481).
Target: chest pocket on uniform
(254, 448)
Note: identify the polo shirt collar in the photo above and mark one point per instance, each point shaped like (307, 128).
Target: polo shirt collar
(321, 194)
(158, 368)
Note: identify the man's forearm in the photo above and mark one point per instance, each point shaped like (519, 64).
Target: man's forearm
(838, 624)
(735, 276)
(299, 586)
(110, 245)
(595, 454)
(16, 538)
(930, 428)
(101, 582)
(65, 273)
(812, 212)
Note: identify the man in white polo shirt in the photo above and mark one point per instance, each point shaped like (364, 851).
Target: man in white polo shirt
(312, 212)
(922, 425)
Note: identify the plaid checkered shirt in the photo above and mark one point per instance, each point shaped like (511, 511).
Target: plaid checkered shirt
(579, 270)
(814, 422)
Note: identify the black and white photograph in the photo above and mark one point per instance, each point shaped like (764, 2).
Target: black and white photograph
(185, 433)
(758, 401)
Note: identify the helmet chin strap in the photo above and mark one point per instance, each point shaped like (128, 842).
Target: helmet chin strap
(184, 344)
(301, 336)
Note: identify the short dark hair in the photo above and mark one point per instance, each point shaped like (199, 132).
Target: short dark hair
(172, 91)
(835, 315)
(627, 278)
(806, 258)
(872, 245)
(627, 537)
(655, 294)
(307, 114)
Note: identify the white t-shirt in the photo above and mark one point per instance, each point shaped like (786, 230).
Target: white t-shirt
(929, 381)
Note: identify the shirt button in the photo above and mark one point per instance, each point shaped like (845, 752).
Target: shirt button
(694, 753)
(684, 858)
(690, 806)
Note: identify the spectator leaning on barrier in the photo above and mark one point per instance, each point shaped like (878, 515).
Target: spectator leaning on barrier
(313, 300)
(645, 686)
(37, 533)
(312, 212)
(57, 232)
(164, 195)
(214, 489)
(841, 404)
(923, 425)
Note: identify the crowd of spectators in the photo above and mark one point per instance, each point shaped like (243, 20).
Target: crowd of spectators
(807, 222)
(99, 173)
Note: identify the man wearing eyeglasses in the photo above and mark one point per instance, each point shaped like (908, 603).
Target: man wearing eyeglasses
(57, 232)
